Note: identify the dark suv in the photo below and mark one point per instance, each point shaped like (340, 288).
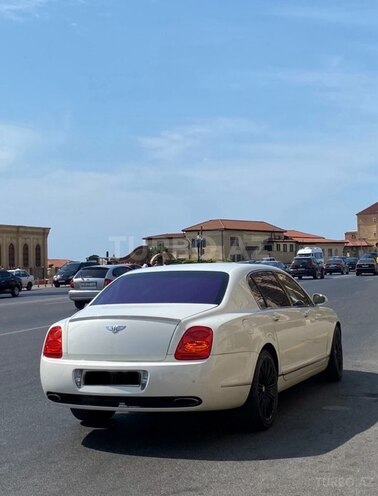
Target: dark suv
(306, 266)
(9, 283)
(68, 270)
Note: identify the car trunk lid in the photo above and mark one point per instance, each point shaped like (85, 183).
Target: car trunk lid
(131, 333)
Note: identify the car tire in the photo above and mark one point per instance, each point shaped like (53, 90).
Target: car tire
(15, 291)
(56, 284)
(92, 417)
(357, 273)
(299, 277)
(79, 304)
(334, 370)
(322, 274)
(260, 409)
(29, 286)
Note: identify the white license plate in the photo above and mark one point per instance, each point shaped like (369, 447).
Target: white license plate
(88, 285)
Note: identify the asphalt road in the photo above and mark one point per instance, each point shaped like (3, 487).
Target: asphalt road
(324, 441)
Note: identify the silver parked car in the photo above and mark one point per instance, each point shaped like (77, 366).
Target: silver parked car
(89, 281)
(26, 278)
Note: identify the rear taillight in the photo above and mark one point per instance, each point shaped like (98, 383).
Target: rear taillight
(195, 344)
(71, 283)
(53, 343)
(107, 281)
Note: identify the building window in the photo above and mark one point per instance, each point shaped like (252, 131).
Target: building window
(234, 241)
(197, 241)
(330, 252)
(284, 247)
(278, 247)
(336, 251)
(291, 248)
(25, 256)
(38, 256)
(12, 256)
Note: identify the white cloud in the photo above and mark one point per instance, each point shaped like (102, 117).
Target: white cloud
(16, 10)
(176, 143)
(15, 141)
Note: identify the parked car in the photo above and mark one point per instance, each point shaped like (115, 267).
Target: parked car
(9, 283)
(274, 263)
(89, 281)
(336, 265)
(366, 266)
(306, 266)
(26, 278)
(187, 338)
(68, 270)
(373, 255)
(351, 262)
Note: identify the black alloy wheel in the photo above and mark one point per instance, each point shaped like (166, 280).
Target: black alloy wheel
(334, 370)
(260, 409)
(29, 286)
(15, 291)
(92, 418)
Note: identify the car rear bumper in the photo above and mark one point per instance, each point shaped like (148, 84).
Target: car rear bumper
(304, 273)
(220, 382)
(82, 295)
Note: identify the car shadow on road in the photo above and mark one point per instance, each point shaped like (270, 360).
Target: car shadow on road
(314, 418)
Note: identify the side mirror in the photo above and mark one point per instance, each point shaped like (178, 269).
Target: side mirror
(319, 299)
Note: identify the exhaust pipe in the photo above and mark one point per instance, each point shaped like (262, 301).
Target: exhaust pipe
(185, 402)
(54, 397)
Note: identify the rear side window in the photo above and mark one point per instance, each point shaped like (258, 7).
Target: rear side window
(273, 293)
(94, 272)
(296, 294)
(166, 287)
(118, 271)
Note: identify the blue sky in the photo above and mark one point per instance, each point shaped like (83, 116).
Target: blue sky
(121, 119)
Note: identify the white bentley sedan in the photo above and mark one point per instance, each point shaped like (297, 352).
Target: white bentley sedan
(191, 338)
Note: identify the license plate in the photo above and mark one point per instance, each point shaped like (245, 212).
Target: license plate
(365, 266)
(88, 285)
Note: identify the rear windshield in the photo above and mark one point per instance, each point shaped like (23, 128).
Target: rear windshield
(166, 287)
(96, 272)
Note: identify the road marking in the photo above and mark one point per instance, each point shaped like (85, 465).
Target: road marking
(24, 330)
(50, 301)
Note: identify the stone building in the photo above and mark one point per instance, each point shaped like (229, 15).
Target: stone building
(365, 239)
(24, 247)
(237, 240)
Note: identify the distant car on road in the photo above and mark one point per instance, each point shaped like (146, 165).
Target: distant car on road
(306, 266)
(26, 278)
(89, 281)
(366, 265)
(336, 265)
(274, 263)
(351, 262)
(9, 283)
(68, 270)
